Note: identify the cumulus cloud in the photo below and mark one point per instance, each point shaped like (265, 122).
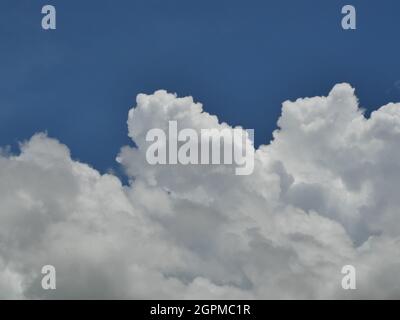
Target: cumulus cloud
(323, 194)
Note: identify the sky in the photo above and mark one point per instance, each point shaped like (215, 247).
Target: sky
(79, 193)
(240, 59)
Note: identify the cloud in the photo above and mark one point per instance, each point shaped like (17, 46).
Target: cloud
(323, 194)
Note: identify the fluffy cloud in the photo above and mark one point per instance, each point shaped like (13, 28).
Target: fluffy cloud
(323, 194)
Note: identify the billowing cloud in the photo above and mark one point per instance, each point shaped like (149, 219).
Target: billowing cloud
(323, 194)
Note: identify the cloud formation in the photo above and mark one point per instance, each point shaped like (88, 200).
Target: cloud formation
(323, 194)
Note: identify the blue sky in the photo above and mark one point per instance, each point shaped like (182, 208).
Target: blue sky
(241, 59)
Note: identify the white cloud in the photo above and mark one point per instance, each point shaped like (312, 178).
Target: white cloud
(322, 195)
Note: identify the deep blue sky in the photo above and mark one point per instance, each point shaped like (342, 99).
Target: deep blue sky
(241, 59)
